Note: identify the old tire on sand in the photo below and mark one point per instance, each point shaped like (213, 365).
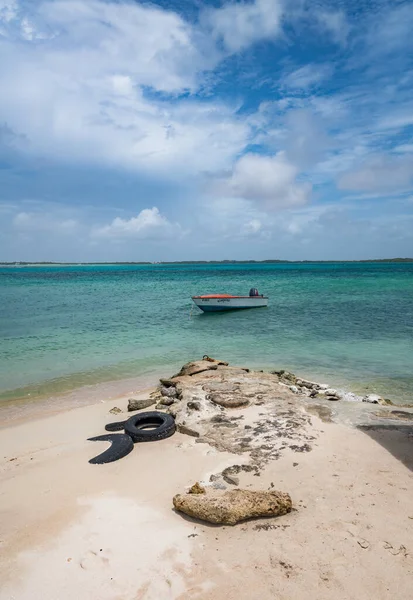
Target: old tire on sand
(121, 445)
(150, 426)
(118, 426)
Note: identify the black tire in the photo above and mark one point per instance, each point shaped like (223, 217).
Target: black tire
(163, 426)
(121, 445)
(118, 426)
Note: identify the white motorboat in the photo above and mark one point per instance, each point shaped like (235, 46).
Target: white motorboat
(220, 302)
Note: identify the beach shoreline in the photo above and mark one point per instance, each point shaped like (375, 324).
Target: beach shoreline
(109, 531)
(25, 409)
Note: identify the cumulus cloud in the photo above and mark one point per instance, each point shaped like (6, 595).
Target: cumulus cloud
(240, 24)
(149, 224)
(102, 87)
(270, 180)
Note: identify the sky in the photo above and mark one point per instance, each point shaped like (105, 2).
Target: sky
(195, 130)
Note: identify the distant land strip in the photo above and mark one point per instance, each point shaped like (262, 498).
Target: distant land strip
(207, 262)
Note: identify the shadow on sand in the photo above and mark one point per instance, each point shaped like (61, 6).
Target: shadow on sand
(396, 438)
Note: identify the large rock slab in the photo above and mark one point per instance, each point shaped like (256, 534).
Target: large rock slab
(135, 404)
(192, 368)
(228, 401)
(233, 506)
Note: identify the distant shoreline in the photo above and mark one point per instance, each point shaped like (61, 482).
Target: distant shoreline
(204, 262)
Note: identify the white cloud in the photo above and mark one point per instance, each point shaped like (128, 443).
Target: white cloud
(149, 224)
(307, 76)
(155, 46)
(252, 227)
(389, 31)
(27, 222)
(335, 23)
(267, 179)
(87, 88)
(381, 173)
(238, 25)
(404, 149)
(397, 120)
(8, 10)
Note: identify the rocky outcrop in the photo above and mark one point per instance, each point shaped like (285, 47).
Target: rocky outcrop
(210, 405)
(231, 507)
(218, 404)
(192, 368)
(134, 404)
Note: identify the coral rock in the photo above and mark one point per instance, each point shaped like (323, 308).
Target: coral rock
(196, 489)
(229, 401)
(233, 506)
(169, 392)
(134, 404)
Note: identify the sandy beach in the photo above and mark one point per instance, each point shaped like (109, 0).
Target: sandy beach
(70, 529)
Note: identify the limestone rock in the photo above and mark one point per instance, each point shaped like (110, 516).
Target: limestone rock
(372, 398)
(192, 368)
(214, 360)
(167, 382)
(288, 377)
(294, 389)
(173, 410)
(231, 479)
(403, 415)
(387, 402)
(229, 401)
(350, 397)
(308, 384)
(196, 489)
(166, 401)
(194, 405)
(134, 404)
(233, 506)
(169, 392)
(115, 410)
(187, 430)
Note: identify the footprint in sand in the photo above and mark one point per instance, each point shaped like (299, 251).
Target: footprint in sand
(93, 560)
(401, 550)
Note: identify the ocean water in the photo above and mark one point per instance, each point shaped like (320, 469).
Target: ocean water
(62, 327)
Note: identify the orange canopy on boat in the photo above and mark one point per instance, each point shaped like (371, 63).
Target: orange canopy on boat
(217, 296)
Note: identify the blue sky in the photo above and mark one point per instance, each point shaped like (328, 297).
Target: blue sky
(205, 130)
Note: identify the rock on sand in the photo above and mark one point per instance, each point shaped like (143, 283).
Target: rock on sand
(230, 507)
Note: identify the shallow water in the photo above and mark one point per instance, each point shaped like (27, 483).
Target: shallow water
(66, 326)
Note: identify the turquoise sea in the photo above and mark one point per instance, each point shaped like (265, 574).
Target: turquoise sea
(61, 327)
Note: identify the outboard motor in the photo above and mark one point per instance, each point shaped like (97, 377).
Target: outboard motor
(254, 292)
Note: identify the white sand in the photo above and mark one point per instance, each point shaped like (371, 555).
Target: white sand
(71, 530)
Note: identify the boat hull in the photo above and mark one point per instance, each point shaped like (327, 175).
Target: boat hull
(212, 304)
